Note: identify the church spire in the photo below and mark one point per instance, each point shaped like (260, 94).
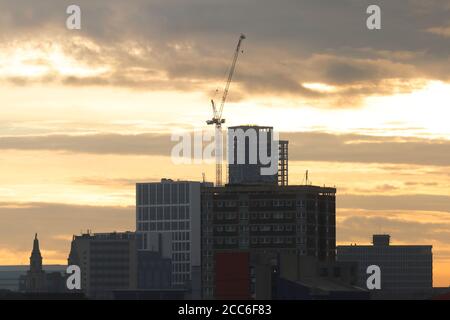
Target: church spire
(36, 257)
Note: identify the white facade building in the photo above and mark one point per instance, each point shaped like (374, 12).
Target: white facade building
(168, 221)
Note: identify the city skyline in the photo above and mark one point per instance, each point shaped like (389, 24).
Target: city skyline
(87, 114)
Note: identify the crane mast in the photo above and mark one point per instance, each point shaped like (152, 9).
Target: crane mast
(217, 115)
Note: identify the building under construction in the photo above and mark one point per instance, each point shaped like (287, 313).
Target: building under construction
(245, 152)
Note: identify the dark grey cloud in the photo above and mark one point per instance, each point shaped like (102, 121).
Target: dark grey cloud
(413, 202)
(315, 146)
(140, 144)
(360, 228)
(289, 43)
(304, 146)
(55, 221)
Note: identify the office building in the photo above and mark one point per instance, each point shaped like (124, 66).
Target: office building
(108, 262)
(262, 218)
(168, 222)
(406, 270)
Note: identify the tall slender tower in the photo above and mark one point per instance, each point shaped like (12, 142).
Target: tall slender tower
(35, 280)
(36, 257)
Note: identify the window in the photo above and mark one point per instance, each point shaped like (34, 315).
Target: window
(166, 193)
(145, 194)
(166, 213)
(182, 192)
(174, 193)
(278, 215)
(152, 214)
(159, 194)
(159, 213)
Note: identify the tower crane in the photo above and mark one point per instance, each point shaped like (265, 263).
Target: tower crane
(217, 119)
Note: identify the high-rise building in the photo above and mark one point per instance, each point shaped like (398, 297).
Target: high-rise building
(251, 219)
(406, 270)
(246, 147)
(168, 221)
(107, 261)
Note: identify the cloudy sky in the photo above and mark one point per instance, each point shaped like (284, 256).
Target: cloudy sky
(87, 113)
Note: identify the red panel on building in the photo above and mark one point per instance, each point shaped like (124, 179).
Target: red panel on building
(232, 275)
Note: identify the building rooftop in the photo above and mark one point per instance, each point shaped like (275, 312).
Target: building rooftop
(271, 188)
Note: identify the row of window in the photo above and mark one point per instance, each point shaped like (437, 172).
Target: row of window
(255, 215)
(181, 246)
(163, 226)
(180, 236)
(264, 203)
(151, 194)
(180, 278)
(260, 228)
(163, 213)
(257, 240)
(183, 256)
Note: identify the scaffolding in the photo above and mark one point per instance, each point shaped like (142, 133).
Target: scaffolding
(283, 170)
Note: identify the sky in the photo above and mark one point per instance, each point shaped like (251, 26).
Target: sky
(85, 114)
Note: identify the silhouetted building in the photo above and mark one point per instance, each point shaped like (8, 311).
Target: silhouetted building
(406, 270)
(245, 152)
(284, 276)
(36, 279)
(154, 271)
(306, 278)
(168, 222)
(265, 218)
(107, 261)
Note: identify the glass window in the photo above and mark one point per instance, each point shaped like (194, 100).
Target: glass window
(145, 214)
(174, 193)
(139, 214)
(182, 213)
(182, 192)
(166, 193)
(159, 213)
(152, 194)
(152, 213)
(145, 194)
(159, 194)
(166, 213)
